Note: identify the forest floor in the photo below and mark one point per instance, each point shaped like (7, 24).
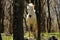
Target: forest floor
(44, 36)
(47, 35)
(4, 37)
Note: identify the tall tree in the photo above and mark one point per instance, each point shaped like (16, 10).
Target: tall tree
(53, 16)
(18, 20)
(0, 19)
(38, 13)
(8, 16)
(48, 16)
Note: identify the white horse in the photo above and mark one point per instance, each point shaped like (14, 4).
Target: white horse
(31, 19)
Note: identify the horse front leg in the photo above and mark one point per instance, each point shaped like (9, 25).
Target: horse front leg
(34, 31)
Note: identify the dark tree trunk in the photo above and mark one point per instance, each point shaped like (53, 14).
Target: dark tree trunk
(38, 13)
(18, 20)
(0, 37)
(1, 18)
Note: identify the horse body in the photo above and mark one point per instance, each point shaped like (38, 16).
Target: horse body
(31, 19)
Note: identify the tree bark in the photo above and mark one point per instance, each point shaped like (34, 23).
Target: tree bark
(18, 20)
(8, 16)
(48, 17)
(38, 14)
(1, 17)
(53, 16)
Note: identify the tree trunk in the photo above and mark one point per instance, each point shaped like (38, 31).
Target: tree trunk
(18, 20)
(1, 17)
(57, 10)
(53, 16)
(38, 14)
(49, 21)
(8, 16)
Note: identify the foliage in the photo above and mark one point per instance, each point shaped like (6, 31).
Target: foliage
(47, 35)
(4, 37)
(44, 36)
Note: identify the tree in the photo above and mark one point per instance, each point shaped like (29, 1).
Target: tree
(53, 17)
(48, 16)
(38, 13)
(7, 16)
(0, 19)
(18, 10)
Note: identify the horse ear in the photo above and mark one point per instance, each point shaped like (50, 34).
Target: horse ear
(27, 7)
(34, 10)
